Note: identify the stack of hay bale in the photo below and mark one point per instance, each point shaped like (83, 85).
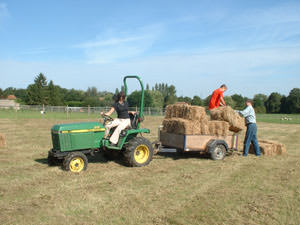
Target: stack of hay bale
(2, 141)
(182, 118)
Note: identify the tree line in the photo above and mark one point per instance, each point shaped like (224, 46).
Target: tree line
(160, 95)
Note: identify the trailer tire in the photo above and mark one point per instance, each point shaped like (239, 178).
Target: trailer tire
(138, 152)
(217, 149)
(75, 162)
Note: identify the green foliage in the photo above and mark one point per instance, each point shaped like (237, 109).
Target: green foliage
(1, 93)
(229, 101)
(37, 93)
(273, 103)
(197, 101)
(55, 97)
(259, 101)
(293, 101)
(134, 99)
(157, 98)
(239, 101)
(184, 99)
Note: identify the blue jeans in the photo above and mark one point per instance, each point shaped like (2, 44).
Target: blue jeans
(251, 138)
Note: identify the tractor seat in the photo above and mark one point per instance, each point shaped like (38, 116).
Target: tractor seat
(133, 120)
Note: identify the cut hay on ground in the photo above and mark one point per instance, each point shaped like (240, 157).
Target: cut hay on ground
(236, 122)
(2, 141)
(267, 147)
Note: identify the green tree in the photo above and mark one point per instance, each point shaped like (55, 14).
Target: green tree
(91, 92)
(9, 91)
(1, 93)
(239, 101)
(206, 101)
(273, 103)
(259, 101)
(170, 95)
(55, 97)
(157, 99)
(21, 95)
(37, 93)
(197, 101)
(229, 101)
(284, 108)
(293, 101)
(134, 99)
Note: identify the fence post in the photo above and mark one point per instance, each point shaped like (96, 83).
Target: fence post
(88, 110)
(67, 112)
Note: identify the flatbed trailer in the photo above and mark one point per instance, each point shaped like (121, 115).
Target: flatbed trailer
(215, 146)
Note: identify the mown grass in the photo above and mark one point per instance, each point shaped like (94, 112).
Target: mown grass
(172, 189)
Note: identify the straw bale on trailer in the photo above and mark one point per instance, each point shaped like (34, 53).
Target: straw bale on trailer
(186, 111)
(181, 126)
(236, 122)
(218, 128)
(2, 141)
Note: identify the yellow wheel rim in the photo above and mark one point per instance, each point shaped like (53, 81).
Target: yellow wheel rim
(76, 165)
(141, 154)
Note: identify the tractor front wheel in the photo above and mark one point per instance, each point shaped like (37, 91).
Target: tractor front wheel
(75, 162)
(138, 152)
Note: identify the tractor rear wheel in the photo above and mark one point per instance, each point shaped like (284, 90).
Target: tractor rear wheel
(138, 152)
(75, 162)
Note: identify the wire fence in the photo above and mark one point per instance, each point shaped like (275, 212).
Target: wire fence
(65, 112)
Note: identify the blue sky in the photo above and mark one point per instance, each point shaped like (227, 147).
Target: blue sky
(252, 46)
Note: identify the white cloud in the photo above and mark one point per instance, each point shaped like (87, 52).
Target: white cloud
(112, 46)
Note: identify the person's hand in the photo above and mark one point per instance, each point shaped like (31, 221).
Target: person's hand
(102, 113)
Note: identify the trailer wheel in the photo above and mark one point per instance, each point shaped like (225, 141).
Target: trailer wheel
(138, 152)
(217, 149)
(218, 153)
(75, 162)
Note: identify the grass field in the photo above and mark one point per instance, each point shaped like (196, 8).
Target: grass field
(171, 190)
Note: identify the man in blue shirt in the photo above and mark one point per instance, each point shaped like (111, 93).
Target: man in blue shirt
(251, 132)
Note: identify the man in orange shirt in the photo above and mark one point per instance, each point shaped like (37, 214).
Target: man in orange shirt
(217, 97)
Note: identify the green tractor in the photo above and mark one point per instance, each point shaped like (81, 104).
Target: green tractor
(73, 142)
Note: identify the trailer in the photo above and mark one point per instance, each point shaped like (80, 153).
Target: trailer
(215, 146)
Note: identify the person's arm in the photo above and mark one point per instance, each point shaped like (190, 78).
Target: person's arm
(245, 112)
(109, 112)
(132, 112)
(223, 103)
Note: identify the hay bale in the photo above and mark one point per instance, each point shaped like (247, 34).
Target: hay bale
(186, 111)
(2, 141)
(181, 126)
(218, 128)
(236, 122)
(269, 148)
(175, 110)
(195, 113)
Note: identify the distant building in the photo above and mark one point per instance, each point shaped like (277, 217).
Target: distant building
(11, 97)
(7, 104)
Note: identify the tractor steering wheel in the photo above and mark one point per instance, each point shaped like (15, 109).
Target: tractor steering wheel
(106, 118)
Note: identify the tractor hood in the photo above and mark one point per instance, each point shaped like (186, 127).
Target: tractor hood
(78, 127)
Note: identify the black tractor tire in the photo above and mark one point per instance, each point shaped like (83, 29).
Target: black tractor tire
(217, 150)
(138, 152)
(75, 162)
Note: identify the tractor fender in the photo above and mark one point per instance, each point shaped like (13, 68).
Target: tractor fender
(213, 143)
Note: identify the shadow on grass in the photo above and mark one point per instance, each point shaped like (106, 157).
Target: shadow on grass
(97, 158)
(181, 155)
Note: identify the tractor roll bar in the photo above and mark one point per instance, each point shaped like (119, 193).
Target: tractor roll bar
(142, 91)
